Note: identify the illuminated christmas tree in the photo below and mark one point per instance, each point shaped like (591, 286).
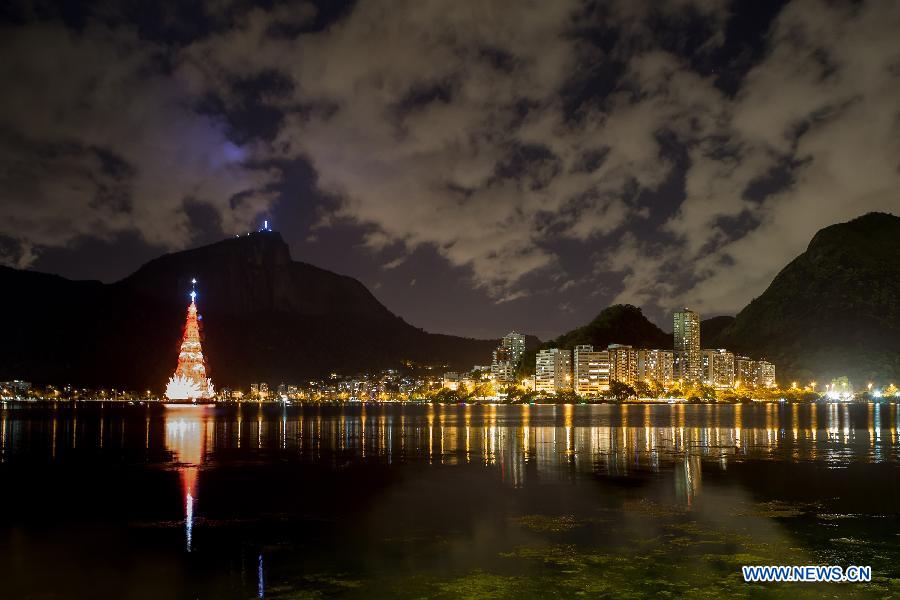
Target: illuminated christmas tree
(189, 381)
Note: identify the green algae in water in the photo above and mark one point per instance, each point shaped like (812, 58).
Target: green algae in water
(778, 509)
(648, 508)
(479, 584)
(316, 585)
(547, 524)
(570, 570)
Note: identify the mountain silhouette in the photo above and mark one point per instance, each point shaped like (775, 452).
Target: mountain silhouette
(832, 311)
(265, 317)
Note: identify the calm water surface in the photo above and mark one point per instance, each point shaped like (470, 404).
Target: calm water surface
(419, 501)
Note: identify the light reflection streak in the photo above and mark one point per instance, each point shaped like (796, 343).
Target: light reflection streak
(876, 430)
(260, 578)
(240, 422)
(259, 417)
(430, 434)
(186, 438)
(3, 440)
(813, 421)
(468, 432)
(896, 420)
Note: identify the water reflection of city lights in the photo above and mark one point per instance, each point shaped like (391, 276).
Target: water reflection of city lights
(525, 444)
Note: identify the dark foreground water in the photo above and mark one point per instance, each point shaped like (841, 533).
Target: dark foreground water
(417, 501)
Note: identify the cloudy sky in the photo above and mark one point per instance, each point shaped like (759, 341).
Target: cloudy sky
(480, 166)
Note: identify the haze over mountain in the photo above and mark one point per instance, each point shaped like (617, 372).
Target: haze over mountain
(265, 317)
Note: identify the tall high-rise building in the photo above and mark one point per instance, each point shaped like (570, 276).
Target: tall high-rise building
(516, 344)
(687, 345)
(656, 365)
(503, 368)
(765, 374)
(718, 368)
(745, 371)
(553, 370)
(506, 357)
(754, 373)
(666, 366)
(591, 374)
(623, 363)
(723, 369)
(706, 365)
(679, 369)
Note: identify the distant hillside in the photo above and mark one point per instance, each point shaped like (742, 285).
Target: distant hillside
(617, 324)
(834, 310)
(265, 317)
(711, 331)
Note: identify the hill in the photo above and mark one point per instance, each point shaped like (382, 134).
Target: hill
(711, 330)
(265, 317)
(834, 310)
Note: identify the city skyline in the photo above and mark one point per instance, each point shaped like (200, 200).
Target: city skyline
(590, 372)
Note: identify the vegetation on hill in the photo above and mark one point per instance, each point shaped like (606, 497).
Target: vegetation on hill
(711, 330)
(834, 310)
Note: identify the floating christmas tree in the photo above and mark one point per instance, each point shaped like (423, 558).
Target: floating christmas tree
(189, 381)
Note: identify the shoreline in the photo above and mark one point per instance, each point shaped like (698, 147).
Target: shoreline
(653, 402)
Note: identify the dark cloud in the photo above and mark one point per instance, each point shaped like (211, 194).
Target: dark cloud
(539, 159)
(96, 140)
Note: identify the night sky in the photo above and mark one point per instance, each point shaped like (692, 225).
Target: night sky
(480, 166)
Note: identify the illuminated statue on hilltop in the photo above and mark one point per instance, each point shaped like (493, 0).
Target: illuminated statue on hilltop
(189, 381)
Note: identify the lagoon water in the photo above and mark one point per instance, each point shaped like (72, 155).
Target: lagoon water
(423, 501)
